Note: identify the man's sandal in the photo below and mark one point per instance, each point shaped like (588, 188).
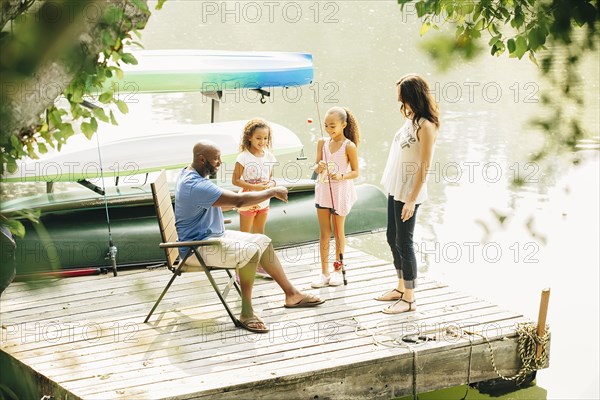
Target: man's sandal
(253, 324)
(307, 301)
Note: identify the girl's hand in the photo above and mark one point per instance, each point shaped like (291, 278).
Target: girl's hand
(408, 211)
(336, 177)
(267, 184)
(321, 166)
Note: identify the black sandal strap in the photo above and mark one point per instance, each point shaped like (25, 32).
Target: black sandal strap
(410, 303)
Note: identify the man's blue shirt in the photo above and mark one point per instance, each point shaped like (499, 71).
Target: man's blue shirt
(195, 217)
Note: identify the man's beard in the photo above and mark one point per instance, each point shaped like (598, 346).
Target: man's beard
(212, 171)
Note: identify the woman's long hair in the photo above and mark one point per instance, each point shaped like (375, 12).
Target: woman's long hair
(414, 91)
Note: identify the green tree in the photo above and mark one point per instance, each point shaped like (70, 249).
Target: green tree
(60, 48)
(554, 34)
(51, 49)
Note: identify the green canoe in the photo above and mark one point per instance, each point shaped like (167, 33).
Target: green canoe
(73, 232)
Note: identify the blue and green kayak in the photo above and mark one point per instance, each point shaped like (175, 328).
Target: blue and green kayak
(161, 71)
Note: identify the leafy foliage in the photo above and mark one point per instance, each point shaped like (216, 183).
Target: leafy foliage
(14, 223)
(32, 32)
(61, 122)
(532, 22)
(553, 33)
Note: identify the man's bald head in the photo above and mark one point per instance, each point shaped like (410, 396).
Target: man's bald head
(204, 148)
(207, 158)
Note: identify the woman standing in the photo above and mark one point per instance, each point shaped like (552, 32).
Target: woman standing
(404, 179)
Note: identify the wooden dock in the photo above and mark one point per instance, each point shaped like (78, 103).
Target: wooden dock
(84, 337)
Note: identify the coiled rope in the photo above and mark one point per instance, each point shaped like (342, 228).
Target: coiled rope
(527, 344)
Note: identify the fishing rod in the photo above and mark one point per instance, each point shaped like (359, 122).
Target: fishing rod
(59, 274)
(112, 249)
(336, 264)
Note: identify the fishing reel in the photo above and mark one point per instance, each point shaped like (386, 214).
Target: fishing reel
(339, 266)
(112, 256)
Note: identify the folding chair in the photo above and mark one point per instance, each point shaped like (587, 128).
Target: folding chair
(166, 222)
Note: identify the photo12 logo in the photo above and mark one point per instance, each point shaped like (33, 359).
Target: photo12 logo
(68, 252)
(288, 332)
(74, 171)
(473, 171)
(476, 252)
(490, 92)
(252, 12)
(322, 92)
(70, 332)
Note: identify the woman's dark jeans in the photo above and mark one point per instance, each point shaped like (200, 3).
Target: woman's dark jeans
(400, 239)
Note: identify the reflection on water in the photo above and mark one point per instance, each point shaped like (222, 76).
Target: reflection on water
(465, 392)
(477, 232)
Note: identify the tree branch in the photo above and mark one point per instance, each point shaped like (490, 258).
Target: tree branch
(41, 59)
(10, 9)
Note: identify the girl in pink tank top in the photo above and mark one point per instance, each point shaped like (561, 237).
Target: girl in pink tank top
(337, 166)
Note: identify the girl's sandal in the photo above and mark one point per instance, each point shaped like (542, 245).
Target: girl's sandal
(394, 309)
(389, 296)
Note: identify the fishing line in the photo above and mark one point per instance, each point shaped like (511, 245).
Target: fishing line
(112, 249)
(335, 230)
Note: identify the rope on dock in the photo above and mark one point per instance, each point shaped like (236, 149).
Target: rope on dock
(527, 344)
(364, 331)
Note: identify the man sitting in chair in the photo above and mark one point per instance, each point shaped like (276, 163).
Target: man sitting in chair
(198, 216)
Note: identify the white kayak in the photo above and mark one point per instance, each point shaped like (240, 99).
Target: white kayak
(141, 150)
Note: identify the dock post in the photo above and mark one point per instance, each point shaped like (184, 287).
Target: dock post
(541, 324)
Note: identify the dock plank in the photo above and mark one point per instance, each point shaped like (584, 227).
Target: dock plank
(86, 338)
(188, 329)
(269, 299)
(146, 291)
(305, 338)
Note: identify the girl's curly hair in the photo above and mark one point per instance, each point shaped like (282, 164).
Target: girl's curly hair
(249, 129)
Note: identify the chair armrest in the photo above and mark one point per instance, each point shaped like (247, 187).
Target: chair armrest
(191, 243)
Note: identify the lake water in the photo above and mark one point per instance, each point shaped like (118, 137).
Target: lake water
(360, 48)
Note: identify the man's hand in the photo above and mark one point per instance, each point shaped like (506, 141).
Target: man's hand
(280, 192)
